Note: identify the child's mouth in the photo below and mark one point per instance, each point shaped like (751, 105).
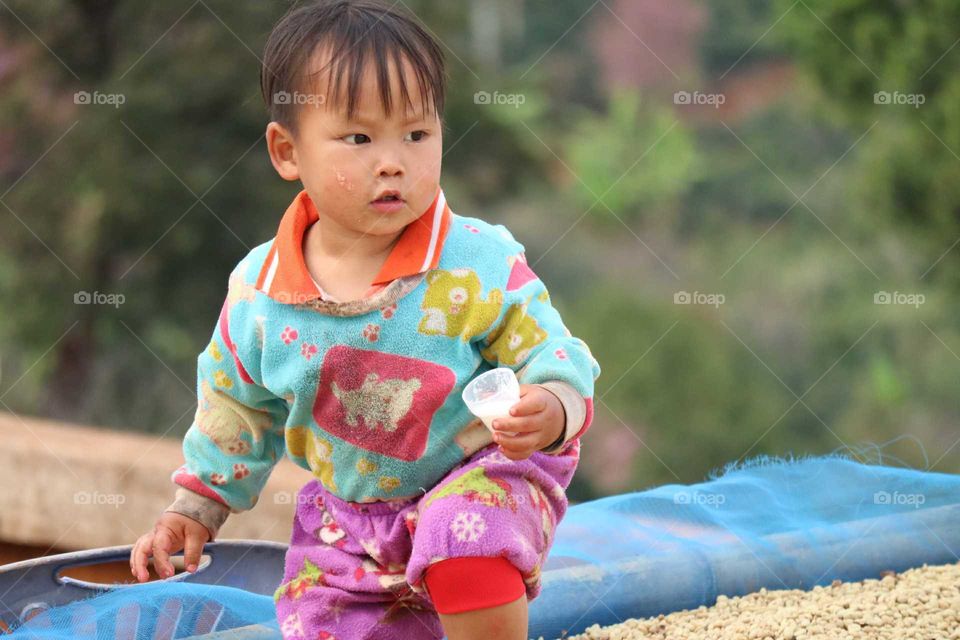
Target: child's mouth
(388, 204)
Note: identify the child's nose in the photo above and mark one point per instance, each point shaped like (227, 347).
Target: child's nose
(389, 167)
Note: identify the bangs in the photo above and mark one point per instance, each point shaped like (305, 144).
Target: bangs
(349, 62)
(348, 36)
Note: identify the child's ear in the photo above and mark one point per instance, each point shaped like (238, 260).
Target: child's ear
(282, 152)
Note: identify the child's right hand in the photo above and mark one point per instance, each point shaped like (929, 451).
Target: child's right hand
(170, 534)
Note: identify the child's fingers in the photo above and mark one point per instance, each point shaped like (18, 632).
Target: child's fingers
(162, 546)
(523, 424)
(133, 558)
(529, 404)
(517, 451)
(191, 552)
(519, 443)
(140, 555)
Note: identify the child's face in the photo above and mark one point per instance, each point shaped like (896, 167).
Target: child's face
(347, 164)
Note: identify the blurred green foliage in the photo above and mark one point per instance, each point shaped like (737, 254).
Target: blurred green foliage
(619, 178)
(857, 49)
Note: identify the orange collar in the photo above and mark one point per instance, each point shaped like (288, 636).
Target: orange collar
(284, 275)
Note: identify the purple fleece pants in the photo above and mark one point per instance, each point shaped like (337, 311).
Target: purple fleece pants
(354, 571)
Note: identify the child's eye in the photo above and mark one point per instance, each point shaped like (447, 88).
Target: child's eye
(365, 137)
(422, 135)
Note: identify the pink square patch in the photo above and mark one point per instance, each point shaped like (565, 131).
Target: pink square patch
(380, 402)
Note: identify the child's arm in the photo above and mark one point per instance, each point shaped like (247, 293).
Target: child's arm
(530, 338)
(237, 435)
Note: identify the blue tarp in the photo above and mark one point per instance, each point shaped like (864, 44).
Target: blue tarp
(776, 524)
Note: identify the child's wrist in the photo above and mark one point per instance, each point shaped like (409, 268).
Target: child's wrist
(558, 441)
(202, 509)
(553, 446)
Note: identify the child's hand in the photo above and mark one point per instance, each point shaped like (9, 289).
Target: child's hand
(170, 534)
(537, 420)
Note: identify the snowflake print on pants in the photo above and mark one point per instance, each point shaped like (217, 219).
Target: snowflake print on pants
(468, 526)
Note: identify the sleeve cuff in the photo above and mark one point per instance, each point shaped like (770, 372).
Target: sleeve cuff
(204, 510)
(574, 406)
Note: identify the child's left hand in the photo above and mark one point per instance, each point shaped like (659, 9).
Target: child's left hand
(538, 419)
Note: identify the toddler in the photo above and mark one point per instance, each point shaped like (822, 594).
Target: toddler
(345, 342)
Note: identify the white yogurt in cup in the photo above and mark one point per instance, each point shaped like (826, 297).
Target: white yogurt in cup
(491, 394)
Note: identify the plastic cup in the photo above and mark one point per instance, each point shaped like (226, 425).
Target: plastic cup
(491, 394)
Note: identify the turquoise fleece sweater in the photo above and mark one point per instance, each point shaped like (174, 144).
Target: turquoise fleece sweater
(367, 394)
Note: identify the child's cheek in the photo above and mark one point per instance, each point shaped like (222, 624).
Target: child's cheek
(342, 180)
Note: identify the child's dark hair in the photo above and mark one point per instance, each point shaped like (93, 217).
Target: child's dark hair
(354, 31)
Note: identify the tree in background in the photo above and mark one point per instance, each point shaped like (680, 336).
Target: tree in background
(895, 64)
(137, 172)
